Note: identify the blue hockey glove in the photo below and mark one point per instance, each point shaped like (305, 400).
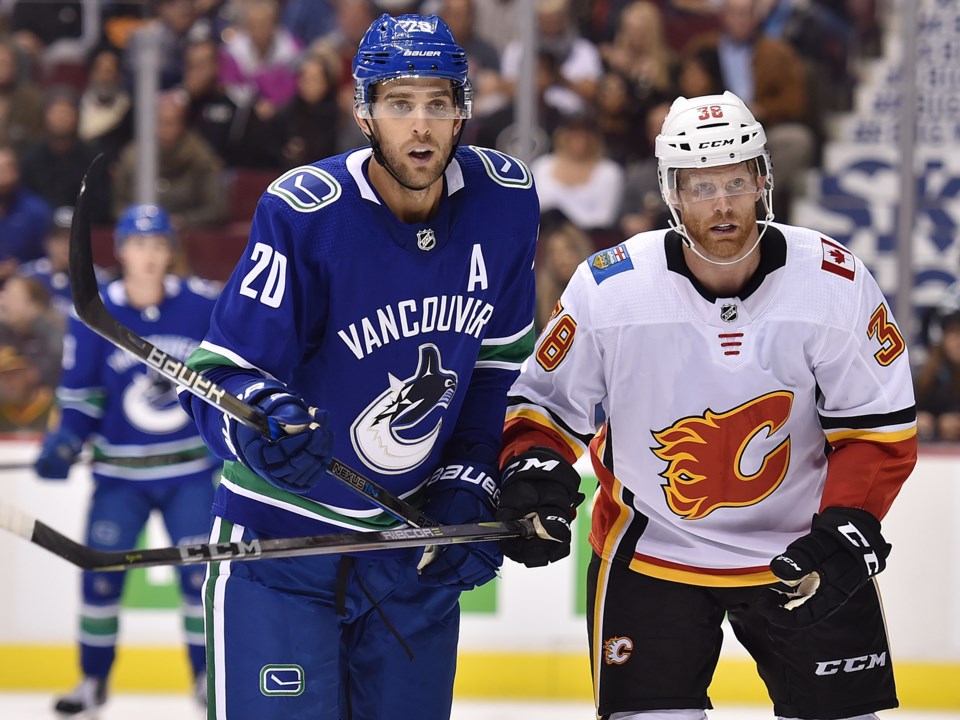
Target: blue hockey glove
(461, 494)
(825, 568)
(540, 481)
(296, 461)
(57, 454)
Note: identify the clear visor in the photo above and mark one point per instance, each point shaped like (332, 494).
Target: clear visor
(404, 102)
(707, 184)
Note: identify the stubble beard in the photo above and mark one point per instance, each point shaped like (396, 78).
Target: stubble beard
(416, 180)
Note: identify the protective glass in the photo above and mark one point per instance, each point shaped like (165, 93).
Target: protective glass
(707, 184)
(403, 102)
(694, 186)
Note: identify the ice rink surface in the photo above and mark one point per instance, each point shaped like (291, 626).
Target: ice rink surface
(24, 706)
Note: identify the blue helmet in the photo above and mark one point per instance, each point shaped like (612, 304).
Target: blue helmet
(143, 220)
(410, 46)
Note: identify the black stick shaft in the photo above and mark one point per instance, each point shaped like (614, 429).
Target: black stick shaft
(88, 558)
(90, 308)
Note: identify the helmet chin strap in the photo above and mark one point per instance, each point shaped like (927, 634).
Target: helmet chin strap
(379, 156)
(685, 238)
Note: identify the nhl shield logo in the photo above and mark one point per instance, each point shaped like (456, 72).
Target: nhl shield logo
(426, 239)
(728, 313)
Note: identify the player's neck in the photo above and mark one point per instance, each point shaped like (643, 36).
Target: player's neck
(410, 206)
(722, 280)
(143, 293)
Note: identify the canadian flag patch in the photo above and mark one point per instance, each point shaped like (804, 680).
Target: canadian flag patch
(837, 259)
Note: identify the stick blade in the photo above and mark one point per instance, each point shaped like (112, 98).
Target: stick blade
(83, 278)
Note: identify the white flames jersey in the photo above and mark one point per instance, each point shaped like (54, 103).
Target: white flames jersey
(709, 418)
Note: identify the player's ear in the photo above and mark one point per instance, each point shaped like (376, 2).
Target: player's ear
(362, 123)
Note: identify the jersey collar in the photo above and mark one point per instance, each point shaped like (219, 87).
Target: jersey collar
(357, 163)
(773, 255)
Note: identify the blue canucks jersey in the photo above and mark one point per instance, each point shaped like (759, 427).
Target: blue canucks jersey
(131, 415)
(408, 334)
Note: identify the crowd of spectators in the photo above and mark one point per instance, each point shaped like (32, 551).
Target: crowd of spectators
(250, 88)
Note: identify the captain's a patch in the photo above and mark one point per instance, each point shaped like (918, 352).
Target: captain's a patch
(608, 263)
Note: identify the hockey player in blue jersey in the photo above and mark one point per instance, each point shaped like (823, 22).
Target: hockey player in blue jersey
(392, 288)
(146, 453)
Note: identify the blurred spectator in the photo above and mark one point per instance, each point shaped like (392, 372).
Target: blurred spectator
(642, 207)
(598, 20)
(21, 101)
(260, 59)
(769, 76)
(211, 113)
(619, 114)
(56, 31)
(174, 21)
(353, 19)
(483, 58)
(639, 50)
(189, 182)
(499, 130)
(562, 246)
(937, 381)
(578, 58)
(309, 20)
(577, 178)
(54, 167)
(497, 21)
(106, 117)
(24, 217)
(699, 73)
(308, 123)
(31, 342)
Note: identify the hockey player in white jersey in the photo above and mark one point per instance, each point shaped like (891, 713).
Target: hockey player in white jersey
(758, 421)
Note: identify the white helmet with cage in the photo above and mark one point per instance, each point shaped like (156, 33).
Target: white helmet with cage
(709, 131)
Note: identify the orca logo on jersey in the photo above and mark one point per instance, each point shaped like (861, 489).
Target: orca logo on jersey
(150, 404)
(390, 435)
(725, 459)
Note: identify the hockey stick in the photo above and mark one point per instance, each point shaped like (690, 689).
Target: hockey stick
(88, 558)
(90, 308)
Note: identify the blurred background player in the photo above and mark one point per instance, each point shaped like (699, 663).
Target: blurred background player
(726, 353)
(146, 453)
(371, 287)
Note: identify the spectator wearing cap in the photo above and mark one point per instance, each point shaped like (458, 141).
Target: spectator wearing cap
(31, 342)
(54, 167)
(24, 217)
(189, 181)
(577, 178)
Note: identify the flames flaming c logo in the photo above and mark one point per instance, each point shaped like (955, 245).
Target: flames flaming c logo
(706, 453)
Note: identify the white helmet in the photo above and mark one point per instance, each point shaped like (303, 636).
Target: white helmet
(708, 131)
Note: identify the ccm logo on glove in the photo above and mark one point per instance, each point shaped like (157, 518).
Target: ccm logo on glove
(856, 538)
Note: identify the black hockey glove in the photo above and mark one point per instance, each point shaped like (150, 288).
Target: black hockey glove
(825, 567)
(461, 493)
(540, 481)
(296, 456)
